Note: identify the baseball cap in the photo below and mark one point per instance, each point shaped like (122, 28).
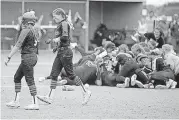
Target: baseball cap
(58, 11)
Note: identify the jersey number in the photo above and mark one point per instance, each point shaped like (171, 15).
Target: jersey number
(35, 44)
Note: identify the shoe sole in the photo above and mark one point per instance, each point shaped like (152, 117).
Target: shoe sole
(13, 107)
(43, 100)
(133, 80)
(127, 84)
(32, 109)
(62, 83)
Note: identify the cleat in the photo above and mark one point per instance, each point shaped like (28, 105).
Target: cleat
(120, 85)
(86, 86)
(133, 80)
(174, 84)
(169, 83)
(59, 78)
(41, 79)
(45, 99)
(68, 88)
(146, 86)
(86, 97)
(61, 82)
(98, 82)
(150, 86)
(13, 104)
(32, 107)
(126, 83)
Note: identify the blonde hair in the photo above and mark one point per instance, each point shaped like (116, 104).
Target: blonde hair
(137, 48)
(167, 48)
(123, 47)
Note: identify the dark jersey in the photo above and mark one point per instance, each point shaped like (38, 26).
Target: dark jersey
(63, 31)
(160, 41)
(86, 71)
(129, 68)
(27, 41)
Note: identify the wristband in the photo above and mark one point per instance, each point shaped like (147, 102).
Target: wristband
(9, 58)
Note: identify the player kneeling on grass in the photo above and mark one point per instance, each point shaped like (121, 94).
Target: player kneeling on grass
(63, 58)
(27, 41)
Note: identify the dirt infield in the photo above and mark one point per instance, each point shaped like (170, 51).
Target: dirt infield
(106, 102)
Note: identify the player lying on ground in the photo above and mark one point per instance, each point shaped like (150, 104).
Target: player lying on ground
(63, 58)
(27, 41)
(162, 76)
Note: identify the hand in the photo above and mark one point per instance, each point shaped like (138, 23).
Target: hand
(48, 41)
(54, 50)
(7, 60)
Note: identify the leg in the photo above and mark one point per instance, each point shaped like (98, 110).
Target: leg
(17, 80)
(56, 69)
(141, 76)
(29, 61)
(177, 80)
(159, 78)
(68, 66)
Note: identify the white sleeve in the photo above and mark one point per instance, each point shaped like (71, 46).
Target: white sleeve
(102, 54)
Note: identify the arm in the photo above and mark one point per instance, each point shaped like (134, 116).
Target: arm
(65, 33)
(102, 54)
(18, 45)
(148, 35)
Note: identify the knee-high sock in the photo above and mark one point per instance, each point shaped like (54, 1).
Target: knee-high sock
(33, 90)
(79, 82)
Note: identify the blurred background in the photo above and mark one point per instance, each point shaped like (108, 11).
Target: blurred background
(120, 18)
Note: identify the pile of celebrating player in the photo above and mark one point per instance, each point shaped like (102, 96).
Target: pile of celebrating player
(149, 64)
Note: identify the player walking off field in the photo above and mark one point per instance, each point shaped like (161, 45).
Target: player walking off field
(63, 58)
(27, 41)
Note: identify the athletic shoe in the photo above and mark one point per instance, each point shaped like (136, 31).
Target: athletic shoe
(169, 83)
(45, 99)
(32, 107)
(61, 82)
(68, 88)
(146, 86)
(86, 97)
(59, 78)
(120, 85)
(174, 84)
(133, 79)
(161, 87)
(151, 86)
(126, 83)
(41, 79)
(13, 104)
(98, 82)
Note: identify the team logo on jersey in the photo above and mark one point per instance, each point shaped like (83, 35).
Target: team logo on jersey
(90, 64)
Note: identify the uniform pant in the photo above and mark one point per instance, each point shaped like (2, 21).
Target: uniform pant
(161, 77)
(26, 69)
(177, 79)
(141, 76)
(63, 60)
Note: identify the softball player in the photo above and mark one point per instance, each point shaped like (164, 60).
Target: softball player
(27, 41)
(63, 58)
